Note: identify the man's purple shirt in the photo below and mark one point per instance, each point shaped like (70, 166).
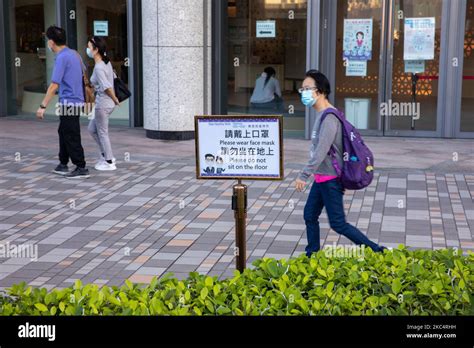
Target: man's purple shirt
(67, 73)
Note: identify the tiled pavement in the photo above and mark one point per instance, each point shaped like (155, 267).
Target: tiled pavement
(152, 216)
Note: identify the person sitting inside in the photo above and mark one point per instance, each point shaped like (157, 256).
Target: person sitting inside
(267, 92)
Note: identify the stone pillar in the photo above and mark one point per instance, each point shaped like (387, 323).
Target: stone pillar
(176, 66)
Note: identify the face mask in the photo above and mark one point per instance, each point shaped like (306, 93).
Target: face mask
(307, 98)
(49, 47)
(89, 53)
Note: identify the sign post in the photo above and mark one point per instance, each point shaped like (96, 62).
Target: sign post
(239, 205)
(239, 147)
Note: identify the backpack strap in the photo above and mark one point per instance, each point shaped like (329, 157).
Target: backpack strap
(332, 151)
(332, 111)
(334, 161)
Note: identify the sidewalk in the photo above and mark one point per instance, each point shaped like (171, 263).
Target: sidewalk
(152, 216)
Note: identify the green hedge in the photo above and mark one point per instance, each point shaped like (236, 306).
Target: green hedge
(398, 282)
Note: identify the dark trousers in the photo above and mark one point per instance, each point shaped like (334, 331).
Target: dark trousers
(70, 146)
(330, 194)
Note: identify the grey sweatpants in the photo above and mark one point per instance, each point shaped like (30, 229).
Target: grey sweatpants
(99, 130)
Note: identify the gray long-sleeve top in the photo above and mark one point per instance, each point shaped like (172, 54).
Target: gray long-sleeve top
(322, 138)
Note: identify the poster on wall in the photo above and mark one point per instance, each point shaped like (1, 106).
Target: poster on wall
(356, 68)
(239, 147)
(357, 44)
(419, 38)
(414, 66)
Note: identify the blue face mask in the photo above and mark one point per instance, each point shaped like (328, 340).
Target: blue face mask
(307, 98)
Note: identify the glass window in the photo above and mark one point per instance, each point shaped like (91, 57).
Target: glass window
(467, 104)
(267, 59)
(30, 63)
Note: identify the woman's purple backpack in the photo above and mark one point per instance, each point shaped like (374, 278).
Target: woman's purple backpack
(358, 169)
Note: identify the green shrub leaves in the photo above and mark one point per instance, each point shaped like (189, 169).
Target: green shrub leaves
(398, 282)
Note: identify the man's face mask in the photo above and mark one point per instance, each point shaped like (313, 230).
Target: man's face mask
(48, 45)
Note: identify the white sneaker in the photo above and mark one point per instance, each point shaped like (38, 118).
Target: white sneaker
(101, 159)
(104, 166)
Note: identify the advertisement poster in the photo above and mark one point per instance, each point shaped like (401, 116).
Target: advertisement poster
(239, 147)
(419, 38)
(357, 43)
(356, 68)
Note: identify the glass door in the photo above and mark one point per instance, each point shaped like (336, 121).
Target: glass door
(107, 19)
(411, 104)
(384, 63)
(267, 59)
(466, 126)
(359, 42)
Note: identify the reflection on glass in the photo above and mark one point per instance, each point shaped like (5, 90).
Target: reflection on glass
(266, 38)
(467, 104)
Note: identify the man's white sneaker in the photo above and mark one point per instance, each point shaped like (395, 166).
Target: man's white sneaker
(104, 166)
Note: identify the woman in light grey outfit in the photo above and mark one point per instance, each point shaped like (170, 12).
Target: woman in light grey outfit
(103, 81)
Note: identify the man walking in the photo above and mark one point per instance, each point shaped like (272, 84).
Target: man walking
(68, 79)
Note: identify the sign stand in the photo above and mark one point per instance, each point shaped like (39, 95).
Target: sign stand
(239, 205)
(414, 80)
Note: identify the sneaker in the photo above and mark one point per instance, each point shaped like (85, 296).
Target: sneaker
(78, 173)
(102, 160)
(61, 169)
(104, 166)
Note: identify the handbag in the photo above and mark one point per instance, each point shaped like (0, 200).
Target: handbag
(88, 88)
(121, 90)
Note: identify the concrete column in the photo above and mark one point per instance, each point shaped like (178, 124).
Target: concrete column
(176, 66)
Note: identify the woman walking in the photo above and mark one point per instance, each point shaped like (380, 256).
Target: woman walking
(326, 190)
(103, 81)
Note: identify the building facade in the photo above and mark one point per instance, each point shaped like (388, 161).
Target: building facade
(397, 67)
